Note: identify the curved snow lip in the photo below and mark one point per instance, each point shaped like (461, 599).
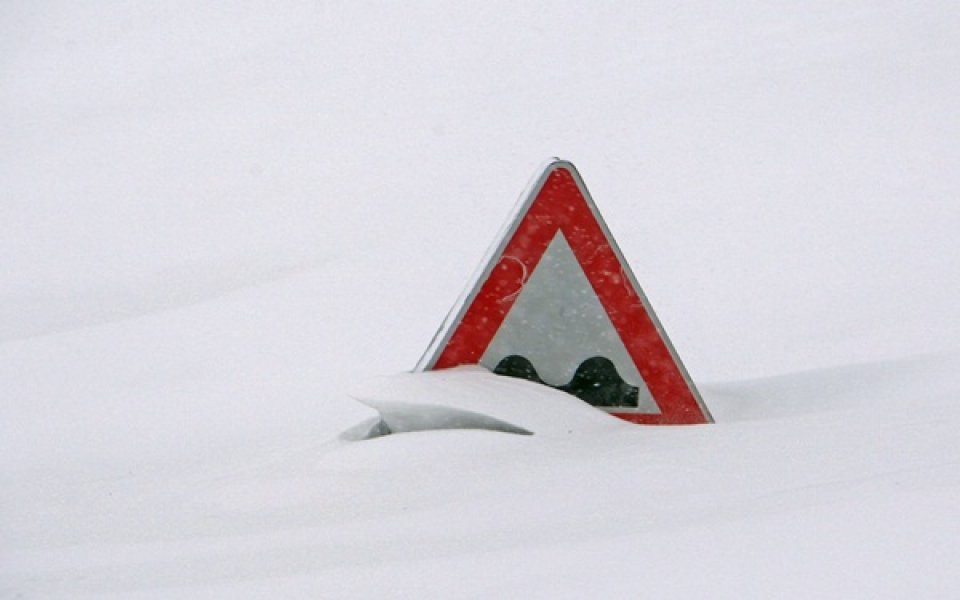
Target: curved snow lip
(404, 417)
(471, 397)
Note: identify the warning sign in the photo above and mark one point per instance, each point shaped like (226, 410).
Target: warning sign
(557, 304)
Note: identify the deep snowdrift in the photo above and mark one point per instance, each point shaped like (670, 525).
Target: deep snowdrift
(219, 222)
(835, 482)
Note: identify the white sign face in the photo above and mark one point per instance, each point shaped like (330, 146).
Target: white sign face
(557, 323)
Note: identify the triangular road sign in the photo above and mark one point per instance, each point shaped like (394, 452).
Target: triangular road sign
(557, 303)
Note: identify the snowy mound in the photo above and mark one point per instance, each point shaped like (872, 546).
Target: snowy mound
(473, 398)
(219, 218)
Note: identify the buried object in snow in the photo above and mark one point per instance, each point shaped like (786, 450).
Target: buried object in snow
(402, 417)
(471, 397)
(556, 303)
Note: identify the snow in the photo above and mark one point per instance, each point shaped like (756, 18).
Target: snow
(473, 390)
(221, 226)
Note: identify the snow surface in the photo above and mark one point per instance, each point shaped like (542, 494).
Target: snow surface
(219, 222)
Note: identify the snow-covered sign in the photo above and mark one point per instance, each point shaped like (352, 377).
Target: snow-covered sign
(556, 303)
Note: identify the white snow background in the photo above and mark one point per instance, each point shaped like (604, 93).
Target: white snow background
(218, 220)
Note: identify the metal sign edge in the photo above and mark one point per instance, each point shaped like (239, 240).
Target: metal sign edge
(625, 265)
(486, 265)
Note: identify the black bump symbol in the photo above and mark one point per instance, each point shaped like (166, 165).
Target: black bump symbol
(519, 367)
(596, 381)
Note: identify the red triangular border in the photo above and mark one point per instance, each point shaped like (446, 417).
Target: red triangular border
(560, 201)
